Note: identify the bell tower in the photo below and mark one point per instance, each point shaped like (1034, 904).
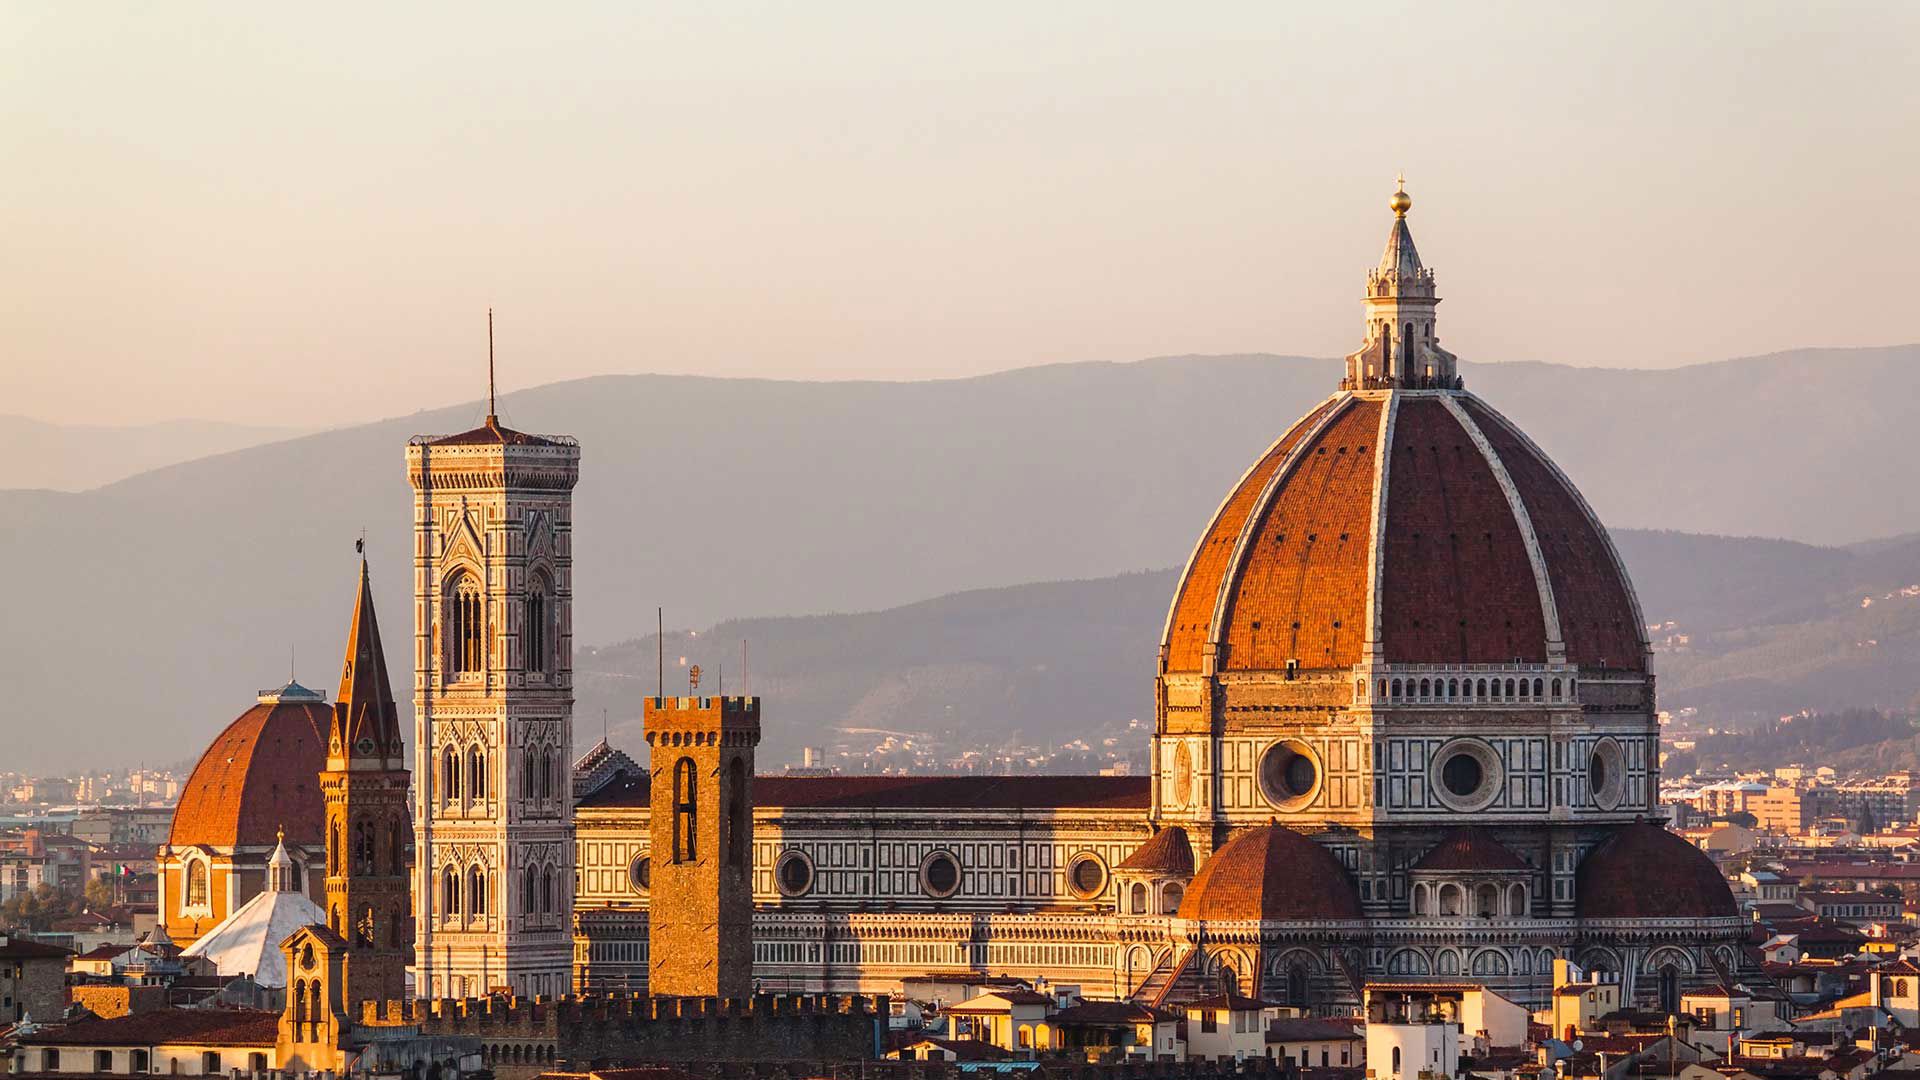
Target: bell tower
(493, 710)
(369, 828)
(700, 906)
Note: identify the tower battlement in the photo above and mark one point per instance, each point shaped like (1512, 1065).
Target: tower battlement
(683, 721)
(542, 1031)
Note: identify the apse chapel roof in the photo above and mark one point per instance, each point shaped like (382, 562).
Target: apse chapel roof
(1274, 874)
(1645, 872)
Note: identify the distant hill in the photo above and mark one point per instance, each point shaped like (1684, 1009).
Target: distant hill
(1051, 662)
(147, 611)
(75, 457)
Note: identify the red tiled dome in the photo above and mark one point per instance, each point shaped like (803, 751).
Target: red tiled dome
(1645, 872)
(1271, 873)
(1286, 570)
(260, 775)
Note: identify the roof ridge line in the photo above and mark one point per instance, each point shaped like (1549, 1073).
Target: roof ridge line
(1543, 584)
(1256, 514)
(1370, 647)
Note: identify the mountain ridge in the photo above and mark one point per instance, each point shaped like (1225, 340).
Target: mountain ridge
(152, 597)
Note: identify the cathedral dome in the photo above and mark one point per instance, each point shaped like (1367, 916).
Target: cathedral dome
(1645, 872)
(1271, 873)
(260, 775)
(1403, 521)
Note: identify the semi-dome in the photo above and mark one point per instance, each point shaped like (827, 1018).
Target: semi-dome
(1271, 873)
(1645, 872)
(260, 775)
(1404, 521)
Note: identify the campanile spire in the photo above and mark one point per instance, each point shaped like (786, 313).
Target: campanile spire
(1403, 346)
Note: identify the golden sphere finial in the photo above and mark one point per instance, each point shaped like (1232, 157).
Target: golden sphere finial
(1401, 202)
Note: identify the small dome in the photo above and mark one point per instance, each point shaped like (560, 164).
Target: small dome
(1167, 852)
(1645, 872)
(1471, 850)
(1271, 873)
(261, 774)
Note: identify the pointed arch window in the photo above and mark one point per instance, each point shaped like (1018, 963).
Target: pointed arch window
(362, 847)
(397, 846)
(466, 626)
(476, 774)
(450, 775)
(546, 891)
(685, 793)
(539, 627)
(530, 774)
(529, 885)
(546, 773)
(450, 891)
(476, 892)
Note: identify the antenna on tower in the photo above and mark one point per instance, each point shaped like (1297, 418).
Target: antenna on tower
(660, 649)
(493, 416)
(746, 675)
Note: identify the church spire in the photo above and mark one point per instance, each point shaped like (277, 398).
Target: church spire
(1403, 347)
(366, 721)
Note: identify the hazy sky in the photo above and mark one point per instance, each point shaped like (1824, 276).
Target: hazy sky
(302, 213)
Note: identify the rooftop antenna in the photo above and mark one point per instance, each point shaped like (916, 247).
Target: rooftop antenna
(746, 674)
(660, 650)
(493, 417)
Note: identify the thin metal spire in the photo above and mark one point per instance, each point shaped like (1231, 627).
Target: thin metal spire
(493, 416)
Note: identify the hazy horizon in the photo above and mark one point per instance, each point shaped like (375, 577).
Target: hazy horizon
(249, 216)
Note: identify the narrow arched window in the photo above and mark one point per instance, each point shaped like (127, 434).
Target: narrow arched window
(1556, 689)
(546, 891)
(333, 846)
(1510, 690)
(450, 891)
(362, 847)
(1538, 689)
(397, 847)
(546, 773)
(685, 792)
(527, 889)
(476, 891)
(196, 884)
(450, 774)
(476, 774)
(465, 625)
(529, 773)
(539, 621)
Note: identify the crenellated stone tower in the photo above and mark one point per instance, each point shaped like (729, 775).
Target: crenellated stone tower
(493, 705)
(700, 911)
(369, 827)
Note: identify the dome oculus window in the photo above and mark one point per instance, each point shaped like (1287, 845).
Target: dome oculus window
(1607, 774)
(1289, 774)
(640, 874)
(1466, 774)
(1087, 876)
(940, 875)
(793, 873)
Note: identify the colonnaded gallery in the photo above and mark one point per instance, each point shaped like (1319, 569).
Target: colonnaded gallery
(1404, 729)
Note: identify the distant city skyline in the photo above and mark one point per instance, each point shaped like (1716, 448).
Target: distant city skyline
(238, 215)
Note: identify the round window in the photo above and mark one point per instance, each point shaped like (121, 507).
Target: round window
(1463, 776)
(1607, 774)
(640, 874)
(793, 873)
(1289, 774)
(1182, 775)
(940, 875)
(1088, 876)
(1466, 775)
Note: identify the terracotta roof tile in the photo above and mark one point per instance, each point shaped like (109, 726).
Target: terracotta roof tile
(930, 792)
(1272, 873)
(213, 1027)
(261, 774)
(1168, 852)
(1192, 615)
(1645, 872)
(1470, 848)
